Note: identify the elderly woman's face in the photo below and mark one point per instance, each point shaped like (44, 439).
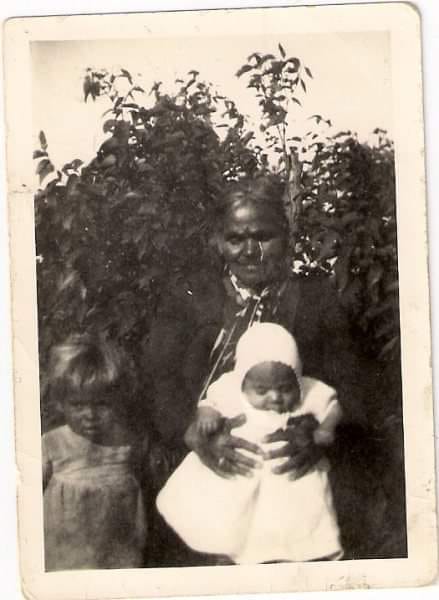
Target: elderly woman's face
(253, 243)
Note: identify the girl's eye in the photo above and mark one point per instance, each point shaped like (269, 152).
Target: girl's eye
(261, 391)
(75, 403)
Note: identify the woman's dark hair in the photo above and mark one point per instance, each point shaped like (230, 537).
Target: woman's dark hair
(268, 190)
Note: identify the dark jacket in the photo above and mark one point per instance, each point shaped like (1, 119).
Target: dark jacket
(190, 316)
(188, 320)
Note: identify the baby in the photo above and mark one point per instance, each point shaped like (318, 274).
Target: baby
(94, 517)
(268, 517)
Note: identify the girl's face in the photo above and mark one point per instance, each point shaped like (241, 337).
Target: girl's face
(272, 386)
(90, 414)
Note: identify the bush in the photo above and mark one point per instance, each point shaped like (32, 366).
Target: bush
(110, 233)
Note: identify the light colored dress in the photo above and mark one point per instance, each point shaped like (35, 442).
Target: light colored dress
(266, 517)
(94, 516)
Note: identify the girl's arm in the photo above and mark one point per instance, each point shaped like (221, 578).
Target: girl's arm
(47, 462)
(47, 473)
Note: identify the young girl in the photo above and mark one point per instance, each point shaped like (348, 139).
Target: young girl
(267, 517)
(93, 510)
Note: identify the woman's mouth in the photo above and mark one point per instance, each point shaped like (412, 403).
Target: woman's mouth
(250, 266)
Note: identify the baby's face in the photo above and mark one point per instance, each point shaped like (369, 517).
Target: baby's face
(272, 386)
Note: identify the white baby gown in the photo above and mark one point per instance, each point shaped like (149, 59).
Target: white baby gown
(266, 517)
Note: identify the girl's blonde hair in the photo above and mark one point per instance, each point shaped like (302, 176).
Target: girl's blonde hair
(85, 362)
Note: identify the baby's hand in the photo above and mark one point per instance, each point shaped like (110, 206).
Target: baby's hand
(209, 420)
(323, 437)
(304, 428)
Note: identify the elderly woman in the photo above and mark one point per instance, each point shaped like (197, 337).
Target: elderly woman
(200, 320)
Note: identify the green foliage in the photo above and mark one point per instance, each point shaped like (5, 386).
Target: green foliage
(347, 228)
(109, 234)
(277, 82)
(340, 197)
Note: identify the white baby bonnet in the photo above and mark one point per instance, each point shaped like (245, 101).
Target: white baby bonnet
(266, 342)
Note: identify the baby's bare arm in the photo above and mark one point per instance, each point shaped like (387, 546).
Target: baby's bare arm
(208, 420)
(325, 432)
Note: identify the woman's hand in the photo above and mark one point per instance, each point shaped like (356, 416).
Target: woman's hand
(220, 451)
(300, 450)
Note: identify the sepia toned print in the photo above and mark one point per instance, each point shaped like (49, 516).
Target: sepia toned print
(220, 285)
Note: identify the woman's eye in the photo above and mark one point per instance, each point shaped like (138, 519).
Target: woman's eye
(234, 240)
(265, 237)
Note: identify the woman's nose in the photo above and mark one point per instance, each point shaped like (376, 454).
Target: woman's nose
(250, 248)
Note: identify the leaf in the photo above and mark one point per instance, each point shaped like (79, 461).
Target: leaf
(352, 294)
(109, 161)
(281, 50)
(392, 287)
(93, 189)
(349, 218)
(109, 125)
(308, 72)
(126, 74)
(248, 136)
(86, 86)
(328, 248)
(302, 83)
(296, 64)
(385, 328)
(296, 101)
(44, 167)
(267, 57)
(118, 102)
(39, 154)
(375, 311)
(137, 88)
(72, 166)
(243, 69)
(43, 141)
(76, 163)
(342, 268)
(389, 346)
(342, 272)
(374, 275)
(95, 89)
(256, 56)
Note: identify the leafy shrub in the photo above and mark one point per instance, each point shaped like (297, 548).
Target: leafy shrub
(110, 233)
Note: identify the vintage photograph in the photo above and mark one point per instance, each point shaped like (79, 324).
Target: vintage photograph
(218, 308)
(169, 226)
